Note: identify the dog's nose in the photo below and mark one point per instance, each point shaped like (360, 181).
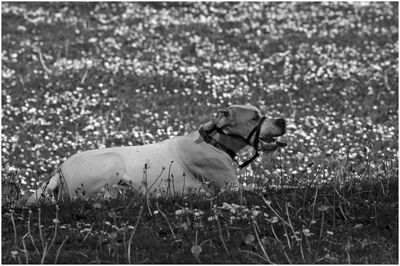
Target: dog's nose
(281, 123)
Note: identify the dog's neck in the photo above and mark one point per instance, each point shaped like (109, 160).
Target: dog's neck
(232, 142)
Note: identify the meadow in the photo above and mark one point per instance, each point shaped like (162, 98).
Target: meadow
(79, 76)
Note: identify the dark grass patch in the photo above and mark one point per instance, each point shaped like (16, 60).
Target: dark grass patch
(328, 224)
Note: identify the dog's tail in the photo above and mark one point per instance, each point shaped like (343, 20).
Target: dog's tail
(50, 187)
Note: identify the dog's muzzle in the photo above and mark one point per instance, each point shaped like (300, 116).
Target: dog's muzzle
(268, 143)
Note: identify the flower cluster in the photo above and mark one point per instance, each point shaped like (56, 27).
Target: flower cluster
(236, 212)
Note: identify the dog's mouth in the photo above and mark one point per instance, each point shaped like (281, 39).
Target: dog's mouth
(270, 143)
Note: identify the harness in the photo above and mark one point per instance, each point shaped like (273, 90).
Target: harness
(254, 132)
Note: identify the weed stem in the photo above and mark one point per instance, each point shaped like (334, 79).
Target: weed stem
(25, 250)
(40, 229)
(30, 234)
(59, 249)
(15, 229)
(220, 234)
(131, 237)
(260, 244)
(169, 225)
(55, 227)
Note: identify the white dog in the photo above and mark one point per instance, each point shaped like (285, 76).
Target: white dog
(200, 160)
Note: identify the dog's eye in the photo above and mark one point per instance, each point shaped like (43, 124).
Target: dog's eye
(256, 117)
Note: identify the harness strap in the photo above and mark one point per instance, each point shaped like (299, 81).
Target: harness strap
(256, 130)
(207, 138)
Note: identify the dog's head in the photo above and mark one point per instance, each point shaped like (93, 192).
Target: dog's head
(241, 120)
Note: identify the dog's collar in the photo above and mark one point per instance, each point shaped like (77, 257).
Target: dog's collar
(207, 138)
(255, 131)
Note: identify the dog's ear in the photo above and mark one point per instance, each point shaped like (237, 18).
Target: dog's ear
(223, 118)
(261, 108)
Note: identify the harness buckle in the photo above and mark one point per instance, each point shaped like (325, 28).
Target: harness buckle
(236, 159)
(207, 138)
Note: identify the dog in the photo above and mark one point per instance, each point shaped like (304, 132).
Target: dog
(201, 160)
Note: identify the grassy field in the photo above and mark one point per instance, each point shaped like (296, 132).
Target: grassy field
(80, 76)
